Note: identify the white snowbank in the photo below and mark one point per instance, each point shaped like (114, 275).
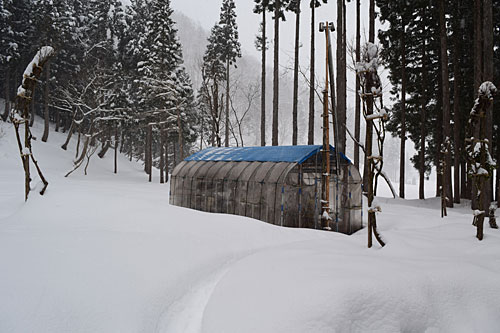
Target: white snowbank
(106, 253)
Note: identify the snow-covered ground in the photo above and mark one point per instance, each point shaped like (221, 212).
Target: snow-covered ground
(107, 253)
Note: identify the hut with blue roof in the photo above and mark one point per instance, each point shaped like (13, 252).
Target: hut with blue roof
(276, 184)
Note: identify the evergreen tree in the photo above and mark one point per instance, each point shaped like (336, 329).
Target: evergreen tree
(412, 21)
(213, 72)
(165, 86)
(294, 6)
(278, 7)
(261, 45)
(230, 48)
(341, 112)
(17, 45)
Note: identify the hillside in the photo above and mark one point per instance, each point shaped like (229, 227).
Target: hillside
(107, 253)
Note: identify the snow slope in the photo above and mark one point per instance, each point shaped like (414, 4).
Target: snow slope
(107, 253)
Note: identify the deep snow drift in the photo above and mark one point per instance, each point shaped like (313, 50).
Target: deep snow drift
(106, 253)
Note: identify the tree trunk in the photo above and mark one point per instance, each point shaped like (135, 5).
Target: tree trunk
(402, 155)
(122, 139)
(216, 117)
(67, 123)
(296, 76)
(310, 132)
(341, 79)
(6, 111)
(488, 70)
(357, 119)
(146, 150)
(478, 73)
(226, 139)
(439, 132)
(423, 119)
(263, 83)
(456, 113)
(446, 106)
(369, 103)
(150, 152)
(85, 147)
(33, 104)
(368, 176)
(105, 148)
(166, 156)
(78, 140)
(58, 120)
(162, 156)
(478, 44)
(45, 135)
(463, 178)
(181, 137)
(498, 173)
(116, 150)
(70, 134)
(276, 71)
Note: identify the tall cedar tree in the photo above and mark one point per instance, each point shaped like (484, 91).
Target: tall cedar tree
(55, 22)
(279, 7)
(17, 42)
(230, 48)
(213, 71)
(419, 75)
(424, 103)
(357, 112)
(294, 6)
(369, 110)
(261, 45)
(341, 79)
(166, 87)
(446, 106)
(488, 69)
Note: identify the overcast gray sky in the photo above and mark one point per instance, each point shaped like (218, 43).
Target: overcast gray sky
(206, 12)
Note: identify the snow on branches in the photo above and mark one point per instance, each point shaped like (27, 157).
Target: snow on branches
(375, 116)
(32, 72)
(487, 89)
(480, 162)
(21, 114)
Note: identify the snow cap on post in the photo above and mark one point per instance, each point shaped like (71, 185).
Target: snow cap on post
(40, 58)
(487, 89)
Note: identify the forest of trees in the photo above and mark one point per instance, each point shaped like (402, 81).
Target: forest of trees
(438, 55)
(118, 78)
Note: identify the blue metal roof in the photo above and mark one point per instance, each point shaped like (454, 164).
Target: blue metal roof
(292, 154)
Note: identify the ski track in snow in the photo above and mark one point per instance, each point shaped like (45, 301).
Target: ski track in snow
(186, 314)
